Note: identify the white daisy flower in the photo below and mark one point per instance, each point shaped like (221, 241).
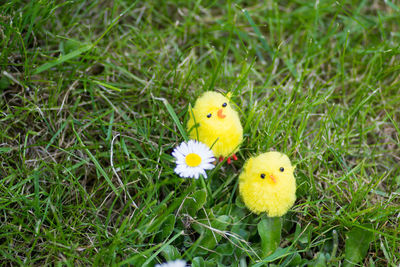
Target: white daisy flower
(192, 159)
(175, 263)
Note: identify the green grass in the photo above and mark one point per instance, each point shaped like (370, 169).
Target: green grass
(85, 141)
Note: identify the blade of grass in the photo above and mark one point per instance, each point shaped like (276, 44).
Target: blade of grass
(109, 86)
(96, 163)
(258, 33)
(265, 45)
(220, 60)
(62, 59)
(174, 117)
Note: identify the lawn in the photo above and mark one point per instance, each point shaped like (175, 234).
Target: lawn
(93, 96)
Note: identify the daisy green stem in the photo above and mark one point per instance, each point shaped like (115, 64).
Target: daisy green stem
(191, 188)
(206, 186)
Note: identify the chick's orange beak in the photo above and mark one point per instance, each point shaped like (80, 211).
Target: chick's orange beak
(273, 179)
(220, 115)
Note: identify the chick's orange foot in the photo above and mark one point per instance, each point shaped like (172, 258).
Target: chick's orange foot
(228, 160)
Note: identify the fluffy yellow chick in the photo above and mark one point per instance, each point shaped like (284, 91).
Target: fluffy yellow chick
(267, 184)
(218, 124)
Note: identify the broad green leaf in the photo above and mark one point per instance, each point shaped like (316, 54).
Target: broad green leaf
(195, 202)
(200, 197)
(295, 260)
(170, 253)
(198, 262)
(240, 229)
(357, 245)
(320, 261)
(4, 83)
(304, 235)
(204, 215)
(155, 225)
(269, 229)
(168, 226)
(239, 202)
(278, 254)
(225, 249)
(212, 234)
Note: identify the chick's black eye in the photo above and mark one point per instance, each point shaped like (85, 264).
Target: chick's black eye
(262, 175)
(281, 169)
(209, 115)
(224, 105)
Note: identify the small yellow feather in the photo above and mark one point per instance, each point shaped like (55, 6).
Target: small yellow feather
(218, 124)
(267, 184)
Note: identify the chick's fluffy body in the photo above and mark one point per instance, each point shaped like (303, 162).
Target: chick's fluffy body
(275, 195)
(221, 130)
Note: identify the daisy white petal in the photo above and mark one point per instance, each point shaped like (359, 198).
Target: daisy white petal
(182, 148)
(178, 156)
(208, 166)
(179, 169)
(209, 160)
(180, 160)
(185, 149)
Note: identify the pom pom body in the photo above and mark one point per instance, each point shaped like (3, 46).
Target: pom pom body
(267, 184)
(218, 125)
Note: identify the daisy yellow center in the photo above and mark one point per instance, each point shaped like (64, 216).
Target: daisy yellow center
(193, 160)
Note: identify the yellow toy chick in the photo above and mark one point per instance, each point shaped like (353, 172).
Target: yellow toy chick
(218, 125)
(267, 184)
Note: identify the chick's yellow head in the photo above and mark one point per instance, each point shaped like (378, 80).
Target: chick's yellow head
(267, 184)
(212, 110)
(217, 123)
